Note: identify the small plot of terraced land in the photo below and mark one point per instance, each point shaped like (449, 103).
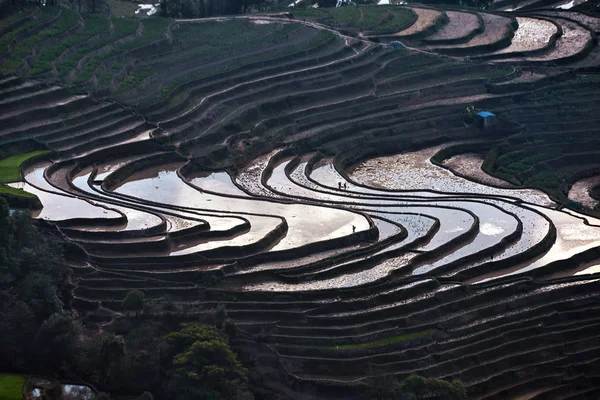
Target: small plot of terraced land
(533, 34)
(426, 20)
(587, 20)
(496, 29)
(460, 25)
(328, 190)
(574, 40)
(581, 191)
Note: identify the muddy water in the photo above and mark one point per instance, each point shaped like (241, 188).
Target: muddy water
(494, 226)
(580, 191)
(105, 169)
(387, 231)
(136, 220)
(369, 275)
(249, 177)
(572, 237)
(325, 174)
(469, 166)
(306, 224)
(454, 220)
(217, 182)
(413, 171)
(417, 226)
(59, 206)
(534, 229)
(532, 34)
(299, 261)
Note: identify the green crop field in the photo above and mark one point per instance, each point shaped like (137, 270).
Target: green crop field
(11, 387)
(10, 172)
(9, 167)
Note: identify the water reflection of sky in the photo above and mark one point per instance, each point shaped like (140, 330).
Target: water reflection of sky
(306, 223)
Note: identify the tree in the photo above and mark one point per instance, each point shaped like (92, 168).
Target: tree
(423, 388)
(57, 341)
(7, 261)
(134, 301)
(103, 359)
(18, 327)
(40, 293)
(204, 366)
(36, 333)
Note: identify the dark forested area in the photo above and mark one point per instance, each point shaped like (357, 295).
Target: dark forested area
(42, 336)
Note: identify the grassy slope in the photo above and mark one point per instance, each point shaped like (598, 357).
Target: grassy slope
(11, 387)
(68, 19)
(360, 17)
(93, 25)
(47, 14)
(10, 172)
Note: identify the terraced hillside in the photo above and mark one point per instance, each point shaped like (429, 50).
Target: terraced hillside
(324, 187)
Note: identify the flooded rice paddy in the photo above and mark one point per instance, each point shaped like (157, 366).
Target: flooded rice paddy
(422, 219)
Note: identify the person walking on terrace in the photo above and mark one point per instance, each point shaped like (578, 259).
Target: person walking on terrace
(353, 228)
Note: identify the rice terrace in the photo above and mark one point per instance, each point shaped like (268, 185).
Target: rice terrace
(364, 193)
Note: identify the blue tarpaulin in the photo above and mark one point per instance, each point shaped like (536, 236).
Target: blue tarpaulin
(485, 114)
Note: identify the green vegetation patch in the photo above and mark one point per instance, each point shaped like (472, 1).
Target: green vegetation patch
(9, 167)
(319, 39)
(360, 17)
(122, 28)
(525, 163)
(4, 189)
(216, 37)
(15, 17)
(47, 14)
(11, 387)
(93, 25)
(548, 179)
(68, 19)
(154, 29)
